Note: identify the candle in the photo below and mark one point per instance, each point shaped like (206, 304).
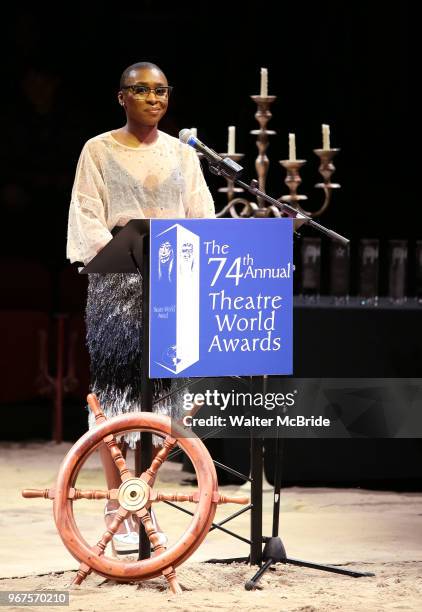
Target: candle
(325, 136)
(264, 83)
(292, 147)
(194, 132)
(231, 141)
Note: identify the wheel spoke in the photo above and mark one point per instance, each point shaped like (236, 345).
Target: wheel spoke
(119, 460)
(120, 516)
(110, 440)
(150, 530)
(151, 473)
(229, 499)
(157, 496)
(73, 493)
(95, 407)
(46, 493)
(170, 576)
(83, 571)
(99, 548)
(93, 494)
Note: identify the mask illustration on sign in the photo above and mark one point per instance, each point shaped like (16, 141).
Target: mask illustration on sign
(186, 258)
(165, 260)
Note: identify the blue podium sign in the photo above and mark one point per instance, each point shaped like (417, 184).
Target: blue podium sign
(221, 297)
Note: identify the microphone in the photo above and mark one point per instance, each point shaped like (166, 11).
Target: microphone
(187, 137)
(219, 165)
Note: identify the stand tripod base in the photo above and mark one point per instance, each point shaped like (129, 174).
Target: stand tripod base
(274, 552)
(230, 560)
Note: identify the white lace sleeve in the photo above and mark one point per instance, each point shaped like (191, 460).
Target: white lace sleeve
(198, 200)
(87, 228)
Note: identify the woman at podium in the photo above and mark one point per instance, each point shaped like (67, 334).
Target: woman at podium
(133, 172)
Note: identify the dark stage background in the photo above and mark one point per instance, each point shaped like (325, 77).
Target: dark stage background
(345, 64)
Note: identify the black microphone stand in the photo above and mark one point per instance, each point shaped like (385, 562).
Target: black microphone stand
(274, 551)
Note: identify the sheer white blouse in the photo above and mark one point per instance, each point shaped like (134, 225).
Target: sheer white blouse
(115, 183)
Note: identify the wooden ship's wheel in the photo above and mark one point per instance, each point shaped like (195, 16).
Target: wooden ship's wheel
(135, 496)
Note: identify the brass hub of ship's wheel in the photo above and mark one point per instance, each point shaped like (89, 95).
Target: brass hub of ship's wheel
(134, 494)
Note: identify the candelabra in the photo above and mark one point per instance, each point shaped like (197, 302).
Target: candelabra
(238, 206)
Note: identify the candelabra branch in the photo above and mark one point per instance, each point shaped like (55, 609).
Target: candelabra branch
(326, 169)
(233, 205)
(293, 180)
(240, 208)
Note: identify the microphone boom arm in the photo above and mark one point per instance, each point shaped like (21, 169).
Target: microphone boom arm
(224, 166)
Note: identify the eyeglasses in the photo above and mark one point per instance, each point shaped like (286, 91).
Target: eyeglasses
(143, 91)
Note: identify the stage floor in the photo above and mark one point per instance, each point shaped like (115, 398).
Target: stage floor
(372, 531)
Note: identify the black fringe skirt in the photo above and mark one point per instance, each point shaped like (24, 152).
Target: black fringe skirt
(114, 340)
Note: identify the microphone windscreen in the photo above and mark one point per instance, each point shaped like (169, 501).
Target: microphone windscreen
(184, 135)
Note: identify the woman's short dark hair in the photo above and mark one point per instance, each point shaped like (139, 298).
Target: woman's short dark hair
(137, 66)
